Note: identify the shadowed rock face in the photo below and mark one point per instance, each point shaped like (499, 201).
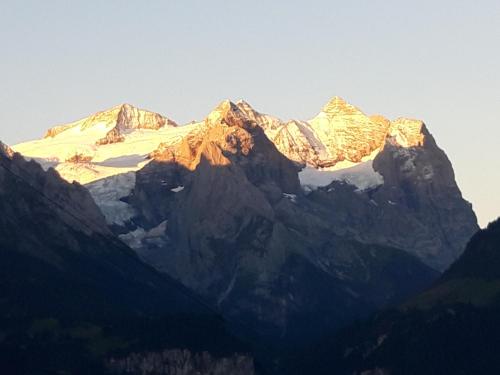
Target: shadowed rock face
(68, 285)
(437, 221)
(57, 224)
(418, 208)
(241, 232)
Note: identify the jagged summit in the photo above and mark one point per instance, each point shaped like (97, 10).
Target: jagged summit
(228, 113)
(243, 103)
(407, 132)
(338, 105)
(340, 134)
(123, 116)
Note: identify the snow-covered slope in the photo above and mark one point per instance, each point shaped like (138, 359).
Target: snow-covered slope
(120, 140)
(105, 144)
(339, 143)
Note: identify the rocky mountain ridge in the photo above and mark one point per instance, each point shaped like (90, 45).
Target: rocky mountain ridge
(339, 137)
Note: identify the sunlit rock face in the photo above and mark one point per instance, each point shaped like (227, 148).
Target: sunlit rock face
(340, 133)
(346, 132)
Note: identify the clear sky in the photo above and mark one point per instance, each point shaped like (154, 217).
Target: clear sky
(434, 60)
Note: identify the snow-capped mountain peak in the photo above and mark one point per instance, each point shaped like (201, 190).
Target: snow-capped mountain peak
(338, 106)
(124, 138)
(225, 111)
(109, 142)
(121, 117)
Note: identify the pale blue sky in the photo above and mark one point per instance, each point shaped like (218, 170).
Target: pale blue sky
(434, 60)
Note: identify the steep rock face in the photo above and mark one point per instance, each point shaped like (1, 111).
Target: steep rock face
(419, 180)
(418, 207)
(230, 221)
(231, 173)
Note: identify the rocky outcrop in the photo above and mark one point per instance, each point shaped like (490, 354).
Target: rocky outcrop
(6, 150)
(128, 117)
(181, 362)
(119, 119)
(113, 136)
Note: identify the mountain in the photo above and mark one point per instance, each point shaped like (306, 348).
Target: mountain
(292, 228)
(405, 194)
(453, 325)
(405, 190)
(223, 212)
(107, 143)
(339, 133)
(74, 298)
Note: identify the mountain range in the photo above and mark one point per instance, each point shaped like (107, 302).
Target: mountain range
(286, 230)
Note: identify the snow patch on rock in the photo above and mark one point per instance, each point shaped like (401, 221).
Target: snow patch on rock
(361, 175)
